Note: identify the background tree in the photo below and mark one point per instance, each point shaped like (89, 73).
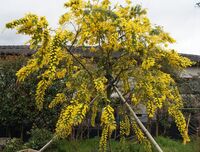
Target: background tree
(127, 51)
(18, 111)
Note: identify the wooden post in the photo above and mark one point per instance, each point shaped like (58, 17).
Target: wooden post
(188, 122)
(197, 132)
(138, 121)
(157, 122)
(88, 129)
(98, 130)
(22, 132)
(47, 145)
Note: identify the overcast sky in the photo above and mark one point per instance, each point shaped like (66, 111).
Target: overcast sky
(178, 17)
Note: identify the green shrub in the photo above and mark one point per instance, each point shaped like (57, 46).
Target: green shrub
(39, 137)
(18, 109)
(13, 145)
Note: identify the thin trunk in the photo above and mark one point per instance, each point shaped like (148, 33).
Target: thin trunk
(108, 69)
(9, 131)
(188, 122)
(81, 136)
(109, 145)
(149, 124)
(88, 129)
(165, 126)
(77, 133)
(22, 132)
(157, 128)
(98, 131)
(115, 135)
(157, 123)
(72, 134)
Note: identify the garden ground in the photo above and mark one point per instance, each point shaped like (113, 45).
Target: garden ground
(91, 145)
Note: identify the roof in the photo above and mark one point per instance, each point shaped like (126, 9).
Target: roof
(15, 50)
(195, 58)
(25, 50)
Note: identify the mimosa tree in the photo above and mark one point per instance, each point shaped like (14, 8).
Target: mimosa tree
(127, 52)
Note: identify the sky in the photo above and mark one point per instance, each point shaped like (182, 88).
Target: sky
(180, 18)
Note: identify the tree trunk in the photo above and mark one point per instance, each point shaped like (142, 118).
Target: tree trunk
(98, 130)
(149, 125)
(88, 129)
(8, 131)
(22, 132)
(157, 123)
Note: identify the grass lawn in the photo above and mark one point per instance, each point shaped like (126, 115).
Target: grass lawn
(91, 145)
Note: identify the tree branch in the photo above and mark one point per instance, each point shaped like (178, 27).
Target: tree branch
(69, 51)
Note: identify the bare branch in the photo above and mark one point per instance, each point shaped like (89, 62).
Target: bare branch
(69, 50)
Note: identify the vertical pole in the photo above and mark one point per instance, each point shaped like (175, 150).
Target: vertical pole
(188, 121)
(98, 131)
(88, 129)
(138, 121)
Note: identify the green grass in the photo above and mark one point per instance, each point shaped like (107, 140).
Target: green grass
(91, 145)
(169, 145)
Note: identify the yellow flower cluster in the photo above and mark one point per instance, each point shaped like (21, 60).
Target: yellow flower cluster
(40, 92)
(126, 84)
(64, 18)
(151, 108)
(75, 6)
(59, 99)
(104, 138)
(125, 126)
(71, 115)
(53, 57)
(177, 61)
(148, 63)
(94, 114)
(31, 25)
(64, 123)
(61, 74)
(83, 94)
(100, 84)
(180, 122)
(105, 3)
(107, 118)
(109, 125)
(139, 134)
(141, 138)
(25, 71)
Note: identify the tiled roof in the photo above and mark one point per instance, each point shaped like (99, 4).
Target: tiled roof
(192, 57)
(15, 50)
(25, 50)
